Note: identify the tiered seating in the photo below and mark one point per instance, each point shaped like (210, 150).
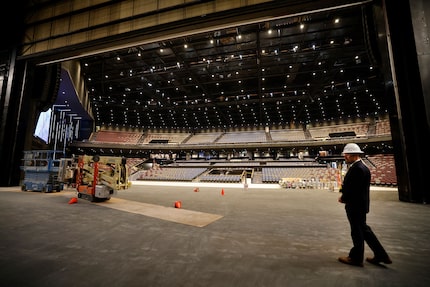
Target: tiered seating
(383, 127)
(293, 162)
(171, 174)
(171, 138)
(235, 163)
(288, 135)
(317, 174)
(190, 163)
(233, 177)
(384, 171)
(203, 138)
(116, 137)
(243, 137)
(132, 164)
(360, 129)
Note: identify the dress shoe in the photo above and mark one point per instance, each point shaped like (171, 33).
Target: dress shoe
(350, 261)
(377, 261)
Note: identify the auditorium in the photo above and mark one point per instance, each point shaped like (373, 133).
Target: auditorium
(200, 142)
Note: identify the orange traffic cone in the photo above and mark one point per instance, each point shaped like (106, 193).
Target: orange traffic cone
(178, 204)
(222, 191)
(73, 200)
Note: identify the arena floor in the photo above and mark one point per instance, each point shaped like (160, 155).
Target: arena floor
(259, 236)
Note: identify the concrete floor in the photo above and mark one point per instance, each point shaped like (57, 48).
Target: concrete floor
(263, 237)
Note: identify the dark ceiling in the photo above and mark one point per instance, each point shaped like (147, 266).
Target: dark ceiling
(291, 71)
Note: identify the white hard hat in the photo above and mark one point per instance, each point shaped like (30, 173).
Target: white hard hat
(352, 148)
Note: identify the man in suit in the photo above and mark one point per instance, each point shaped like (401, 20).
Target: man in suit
(355, 196)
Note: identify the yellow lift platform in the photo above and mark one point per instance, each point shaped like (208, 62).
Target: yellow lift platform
(99, 177)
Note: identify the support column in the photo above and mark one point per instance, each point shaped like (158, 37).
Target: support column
(408, 55)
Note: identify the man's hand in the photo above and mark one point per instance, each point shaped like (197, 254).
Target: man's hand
(340, 200)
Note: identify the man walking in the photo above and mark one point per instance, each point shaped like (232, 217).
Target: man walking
(355, 196)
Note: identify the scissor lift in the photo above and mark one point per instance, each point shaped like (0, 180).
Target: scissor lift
(40, 169)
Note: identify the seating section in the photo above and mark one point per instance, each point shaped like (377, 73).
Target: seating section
(288, 135)
(120, 137)
(383, 169)
(243, 137)
(364, 129)
(171, 138)
(203, 138)
(382, 166)
(360, 129)
(223, 177)
(383, 127)
(132, 165)
(190, 163)
(171, 174)
(312, 174)
(307, 174)
(235, 163)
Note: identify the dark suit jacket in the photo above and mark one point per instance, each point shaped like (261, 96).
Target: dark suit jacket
(355, 188)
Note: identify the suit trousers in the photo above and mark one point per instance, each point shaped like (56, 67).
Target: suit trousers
(360, 233)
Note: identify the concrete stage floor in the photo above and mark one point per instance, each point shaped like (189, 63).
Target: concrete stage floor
(261, 236)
